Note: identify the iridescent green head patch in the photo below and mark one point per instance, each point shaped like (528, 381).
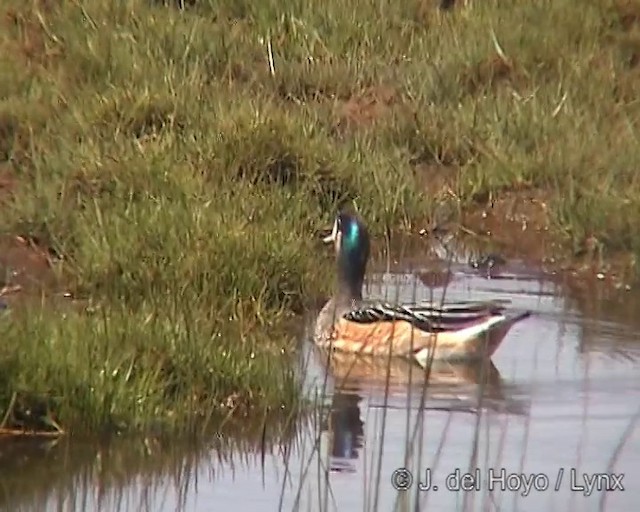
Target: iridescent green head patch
(351, 232)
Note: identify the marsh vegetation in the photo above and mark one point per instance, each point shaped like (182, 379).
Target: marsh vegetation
(164, 166)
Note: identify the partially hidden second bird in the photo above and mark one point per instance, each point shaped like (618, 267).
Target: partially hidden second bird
(425, 331)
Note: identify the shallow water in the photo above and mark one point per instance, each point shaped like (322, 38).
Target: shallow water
(561, 399)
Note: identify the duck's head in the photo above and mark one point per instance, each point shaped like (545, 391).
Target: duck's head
(351, 241)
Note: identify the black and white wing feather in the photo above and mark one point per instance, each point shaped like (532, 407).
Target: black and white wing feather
(428, 316)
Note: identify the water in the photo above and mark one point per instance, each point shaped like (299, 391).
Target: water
(560, 400)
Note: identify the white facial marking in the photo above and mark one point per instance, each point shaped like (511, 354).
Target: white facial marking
(334, 234)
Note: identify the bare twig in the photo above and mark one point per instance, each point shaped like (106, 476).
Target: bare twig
(556, 110)
(498, 48)
(272, 67)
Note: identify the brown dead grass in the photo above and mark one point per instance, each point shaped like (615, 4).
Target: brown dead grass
(491, 73)
(9, 133)
(34, 44)
(8, 182)
(367, 108)
(628, 13)
(437, 179)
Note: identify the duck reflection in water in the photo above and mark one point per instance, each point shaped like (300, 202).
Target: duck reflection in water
(465, 388)
(346, 430)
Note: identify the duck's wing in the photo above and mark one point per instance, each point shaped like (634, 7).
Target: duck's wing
(429, 316)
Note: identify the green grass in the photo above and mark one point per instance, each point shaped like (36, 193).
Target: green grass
(182, 179)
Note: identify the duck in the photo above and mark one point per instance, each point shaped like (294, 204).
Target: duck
(462, 331)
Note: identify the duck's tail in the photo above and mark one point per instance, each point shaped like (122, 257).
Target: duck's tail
(478, 339)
